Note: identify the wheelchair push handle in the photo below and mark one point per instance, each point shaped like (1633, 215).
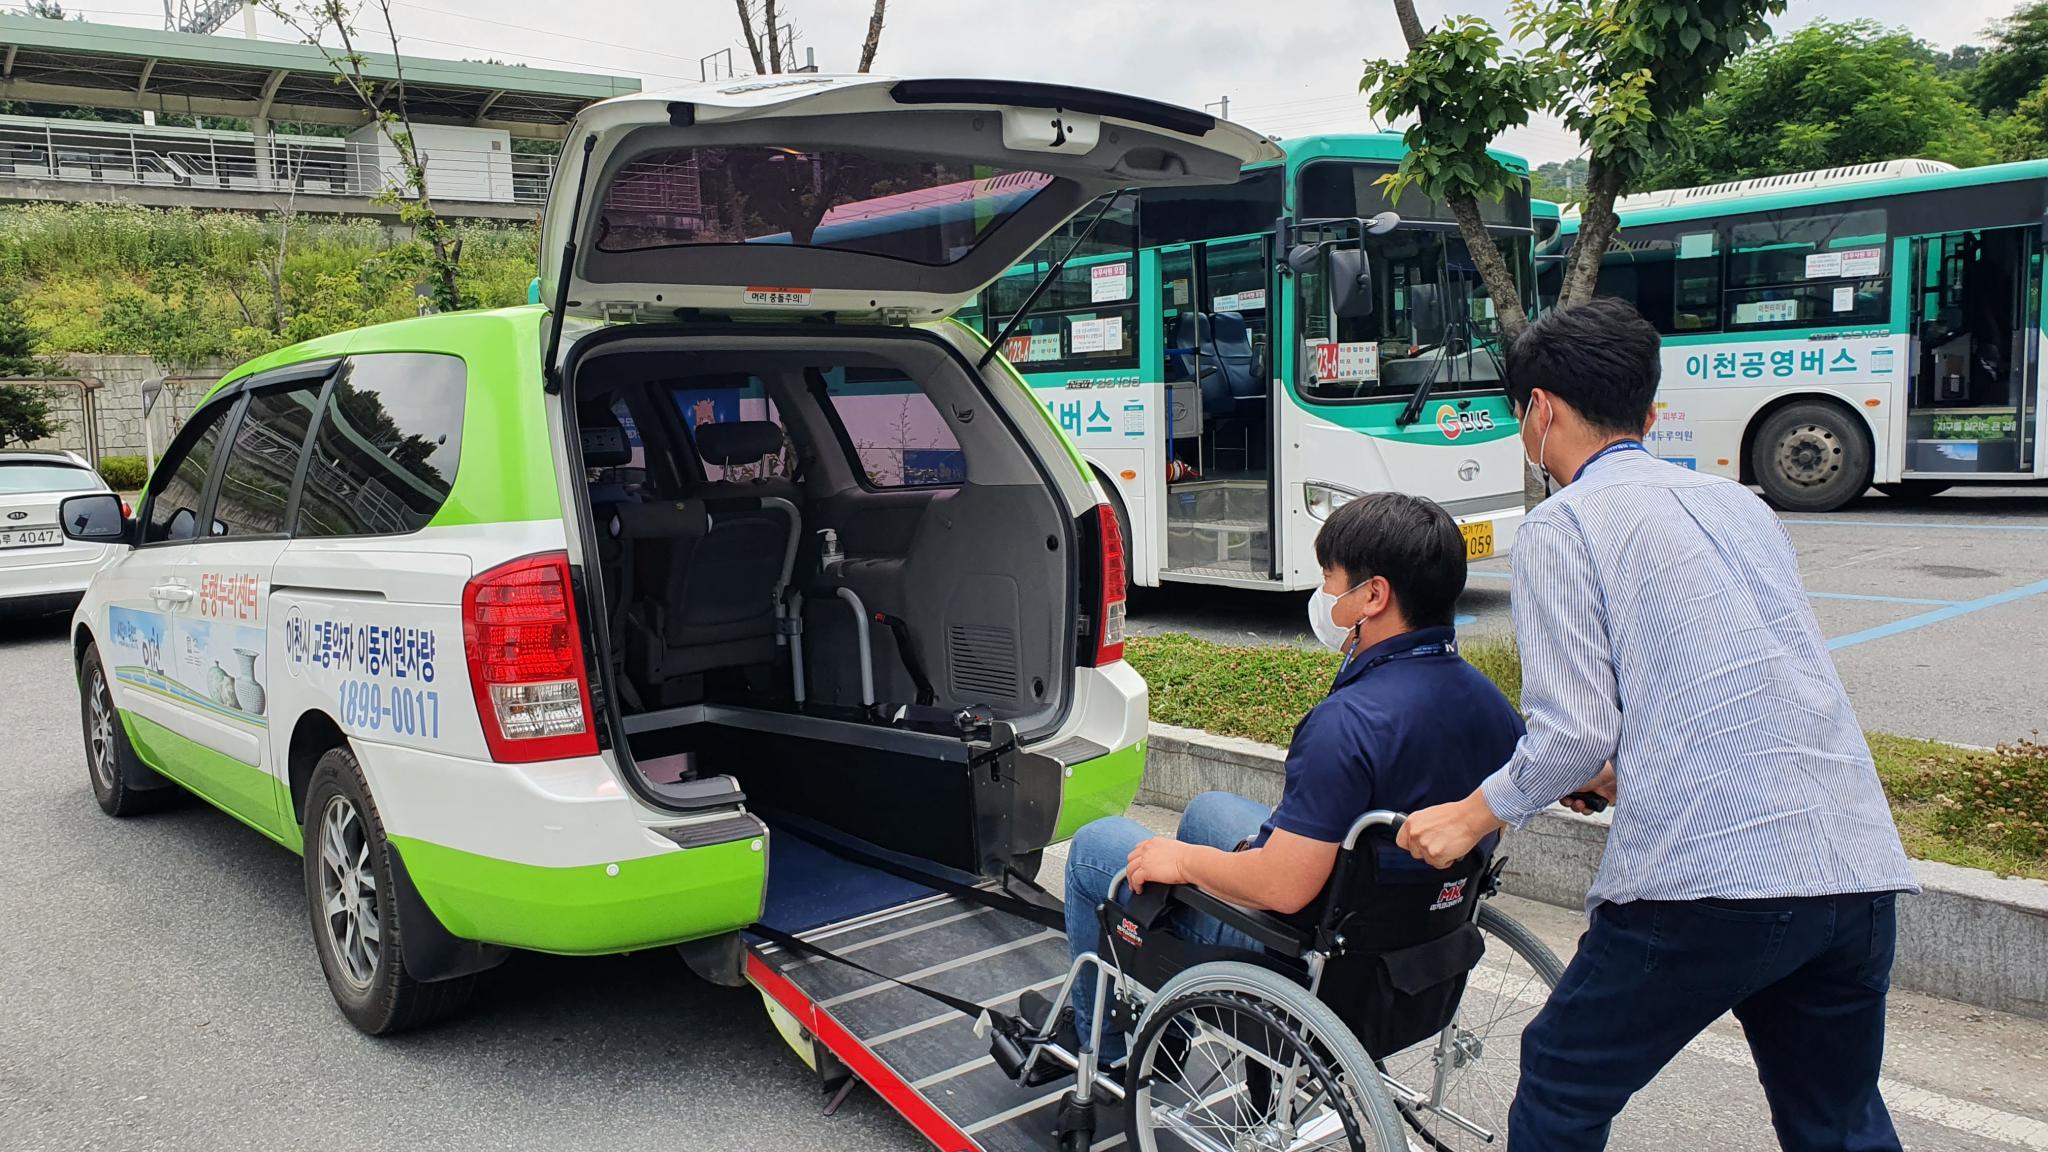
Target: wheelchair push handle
(1378, 818)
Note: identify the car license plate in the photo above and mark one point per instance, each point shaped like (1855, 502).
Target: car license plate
(29, 537)
(1478, 539)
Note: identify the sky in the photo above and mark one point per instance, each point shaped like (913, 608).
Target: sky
(1288, 76)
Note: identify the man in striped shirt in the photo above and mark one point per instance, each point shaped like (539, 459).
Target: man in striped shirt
(1672, 663)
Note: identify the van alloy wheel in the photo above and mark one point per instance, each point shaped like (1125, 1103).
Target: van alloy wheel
(349, 909)
(100, 733)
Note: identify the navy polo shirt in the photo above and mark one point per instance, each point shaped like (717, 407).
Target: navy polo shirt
(1404, 734)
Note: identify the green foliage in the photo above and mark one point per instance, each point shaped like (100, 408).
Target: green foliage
(1463, 94)
(1828, 95)
(190, 287)
(124, 473)
(1625, 71)
(2017, 62)
(25, 415)
(1559, 182)
(2024, 134)
(18, 339)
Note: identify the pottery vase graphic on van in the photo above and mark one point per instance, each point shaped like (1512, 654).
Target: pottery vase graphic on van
(248, 693)
(220, 686)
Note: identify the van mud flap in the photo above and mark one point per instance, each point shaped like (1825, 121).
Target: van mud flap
(920, 1056)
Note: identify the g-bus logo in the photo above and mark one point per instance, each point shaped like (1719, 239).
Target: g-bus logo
(1453, 423)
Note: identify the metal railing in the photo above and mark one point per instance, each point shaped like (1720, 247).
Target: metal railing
(243, 162)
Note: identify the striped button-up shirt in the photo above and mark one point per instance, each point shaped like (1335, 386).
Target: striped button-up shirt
(1663, 625)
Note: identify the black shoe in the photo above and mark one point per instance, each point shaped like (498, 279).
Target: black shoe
(1034, 1006)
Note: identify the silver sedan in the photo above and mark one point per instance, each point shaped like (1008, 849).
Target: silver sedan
(40, 570)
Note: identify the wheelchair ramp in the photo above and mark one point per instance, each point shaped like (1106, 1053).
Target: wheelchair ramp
(922, 1057)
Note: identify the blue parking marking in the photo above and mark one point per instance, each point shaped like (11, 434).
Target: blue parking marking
(1940, 524)
(1464, 618)
(1939, 615)
(1919, 600)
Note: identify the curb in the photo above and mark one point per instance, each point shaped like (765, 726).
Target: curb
(1970, 936)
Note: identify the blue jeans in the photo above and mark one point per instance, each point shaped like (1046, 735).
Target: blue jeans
(1217, 819)
(1806, 976)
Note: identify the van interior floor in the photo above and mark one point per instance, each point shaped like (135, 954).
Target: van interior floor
(922, 1057)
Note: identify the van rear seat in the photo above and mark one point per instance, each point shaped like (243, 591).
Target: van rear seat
(727, 553)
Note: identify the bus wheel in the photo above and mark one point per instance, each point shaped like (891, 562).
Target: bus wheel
(1811, 457)
(1915, 489)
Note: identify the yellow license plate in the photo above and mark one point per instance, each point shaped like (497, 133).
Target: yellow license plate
(1478, 539)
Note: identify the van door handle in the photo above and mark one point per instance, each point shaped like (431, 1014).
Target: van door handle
(171, 594)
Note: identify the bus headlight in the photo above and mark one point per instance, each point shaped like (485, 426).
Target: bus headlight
(1324, 498)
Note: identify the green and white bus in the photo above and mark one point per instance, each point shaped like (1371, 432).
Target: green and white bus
(1227, 399)
(1827, 331)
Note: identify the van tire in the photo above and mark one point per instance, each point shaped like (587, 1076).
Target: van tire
(371, 985)
(116, 772)
(1812, 456)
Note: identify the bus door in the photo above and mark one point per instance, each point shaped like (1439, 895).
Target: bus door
(1217, 333)
(1973, 406)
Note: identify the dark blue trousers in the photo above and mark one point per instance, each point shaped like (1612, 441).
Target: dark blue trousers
(1806, 976)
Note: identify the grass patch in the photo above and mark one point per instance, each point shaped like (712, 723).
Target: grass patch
(1976, 809)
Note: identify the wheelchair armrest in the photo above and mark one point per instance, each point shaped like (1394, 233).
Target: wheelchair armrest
(1268, 929)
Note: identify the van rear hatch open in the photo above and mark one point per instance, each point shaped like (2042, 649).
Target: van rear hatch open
(846, 195)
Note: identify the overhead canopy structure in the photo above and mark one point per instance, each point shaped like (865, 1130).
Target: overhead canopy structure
(143, 69)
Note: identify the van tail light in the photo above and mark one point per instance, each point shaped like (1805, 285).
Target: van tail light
(526, 660)
(1110, 578)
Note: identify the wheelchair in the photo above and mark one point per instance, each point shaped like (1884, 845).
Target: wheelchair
(1384, 1023)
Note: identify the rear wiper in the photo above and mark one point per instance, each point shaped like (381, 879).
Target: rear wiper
(1024, 309)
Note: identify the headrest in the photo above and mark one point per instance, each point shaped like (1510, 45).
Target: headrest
(665, 520)
(1229, 327)
(604, 438)
(738, 441)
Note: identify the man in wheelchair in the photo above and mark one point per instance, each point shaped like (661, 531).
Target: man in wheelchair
(1407, 724)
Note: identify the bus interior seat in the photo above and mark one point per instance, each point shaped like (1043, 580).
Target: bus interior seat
(1194, 347)
(1231, 339)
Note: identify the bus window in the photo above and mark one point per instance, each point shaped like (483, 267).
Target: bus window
(1673, 280)
(1209, 212)
(1806, 268)
(1333, 190)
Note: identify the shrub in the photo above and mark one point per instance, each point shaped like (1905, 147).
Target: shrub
(124, 473)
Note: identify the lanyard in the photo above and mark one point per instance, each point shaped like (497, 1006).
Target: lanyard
(1434, 648)
(1611, 449)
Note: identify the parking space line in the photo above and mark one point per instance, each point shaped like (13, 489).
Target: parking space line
(1921, 600)
(1946, 525)
(1939, 615)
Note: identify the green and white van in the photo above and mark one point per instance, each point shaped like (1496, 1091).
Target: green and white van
(529, 628)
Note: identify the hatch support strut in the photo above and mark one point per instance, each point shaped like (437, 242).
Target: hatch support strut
(550, 366)
(1053, 274)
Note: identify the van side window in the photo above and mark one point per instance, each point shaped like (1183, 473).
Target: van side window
(176, 489)
(255, 486)
(389, 439)
(899, 437)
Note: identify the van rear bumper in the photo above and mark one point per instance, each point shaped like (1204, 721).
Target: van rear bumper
(591, 909)
(557, 857)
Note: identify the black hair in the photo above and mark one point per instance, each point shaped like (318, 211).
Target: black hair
(1600, 357)
(1411, 541)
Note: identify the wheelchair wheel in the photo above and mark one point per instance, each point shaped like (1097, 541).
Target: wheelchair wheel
(1454, 1089)
(1236, 1057)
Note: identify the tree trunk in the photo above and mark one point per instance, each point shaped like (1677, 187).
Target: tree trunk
(1411, 24)
(874, 41)
(772, 34)
(1493, 271)
(1598, 224)
(753, 40)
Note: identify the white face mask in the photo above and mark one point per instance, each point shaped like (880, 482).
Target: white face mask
(1322, 608)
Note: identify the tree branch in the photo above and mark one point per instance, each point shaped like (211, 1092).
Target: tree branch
(1411, 24)
(1493, 270)
(874, 41)
(1598, 224)
(753, 40)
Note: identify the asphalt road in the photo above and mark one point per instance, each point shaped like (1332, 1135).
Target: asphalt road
(158, 988)
(1937, 611)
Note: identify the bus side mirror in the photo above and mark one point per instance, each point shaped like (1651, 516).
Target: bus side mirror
(1350, 283)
